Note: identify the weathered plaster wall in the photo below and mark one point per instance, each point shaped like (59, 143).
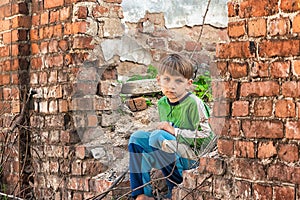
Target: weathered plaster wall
(178, 13)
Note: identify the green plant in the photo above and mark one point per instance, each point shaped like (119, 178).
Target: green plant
(203, 87)
(148, 102)
(151, 73)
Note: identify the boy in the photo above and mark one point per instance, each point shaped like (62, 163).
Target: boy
(183, 130)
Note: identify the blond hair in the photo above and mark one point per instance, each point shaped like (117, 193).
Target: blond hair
(175, 64)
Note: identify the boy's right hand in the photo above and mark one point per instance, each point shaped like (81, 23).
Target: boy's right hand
(167, 127)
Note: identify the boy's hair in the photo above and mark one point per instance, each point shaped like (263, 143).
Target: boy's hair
(174, 64)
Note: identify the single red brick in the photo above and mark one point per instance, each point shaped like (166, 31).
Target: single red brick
(263, 108)
(4, 25)
(137, 104)
(244, 149)
(83, 43)
(280, 69)
(283, 48)
(235, 125)
(236, 29)
(34, 34)
(82, 12)
(53, 3)
(285, 108)
(238, 70)
(280, 26)
(57, 30)
(284, 192)
(248, 168)
(15, 107)
(54, 16)
(65, 13)
(100, 11)
(290, 5)
(53, 46)
(4, 79)
(262, 89)
(232, 9)
(266, 150)
(63, 45)
(262, 129)
(253, 8)
(35, 49)
(240, 108)
(296, 67)
(260, 69)
(81, 152)
(257, 27)
(296, 24)
(236, 50)
(242, 189)
(291, 89)
(35, 20)
(36, 63)
(225, 147)
(262, 191)
(76, 167)
(63, 105)
(44, 18)
(15, 50)
(288, 152)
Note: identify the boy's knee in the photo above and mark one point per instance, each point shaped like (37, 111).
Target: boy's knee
(137, 135)
(156, 138)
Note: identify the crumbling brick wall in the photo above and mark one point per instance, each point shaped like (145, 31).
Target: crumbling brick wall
(14, 64)
(52, 47)
(256, 113)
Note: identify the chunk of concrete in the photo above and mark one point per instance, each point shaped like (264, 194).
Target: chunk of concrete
(140, 87)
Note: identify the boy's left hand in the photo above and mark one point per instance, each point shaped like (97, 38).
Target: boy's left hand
(167, 127)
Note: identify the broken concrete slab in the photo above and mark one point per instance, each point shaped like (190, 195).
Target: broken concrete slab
(140, 87)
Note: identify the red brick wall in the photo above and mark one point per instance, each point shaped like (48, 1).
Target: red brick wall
(14, 63)
(257, 108)
(43, 49)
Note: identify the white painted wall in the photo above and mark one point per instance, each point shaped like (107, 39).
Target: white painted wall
(179, 13)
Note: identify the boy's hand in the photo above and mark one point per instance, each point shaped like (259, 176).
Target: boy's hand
(167, 127)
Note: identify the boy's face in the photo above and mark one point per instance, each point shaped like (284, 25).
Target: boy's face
(174, 87)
